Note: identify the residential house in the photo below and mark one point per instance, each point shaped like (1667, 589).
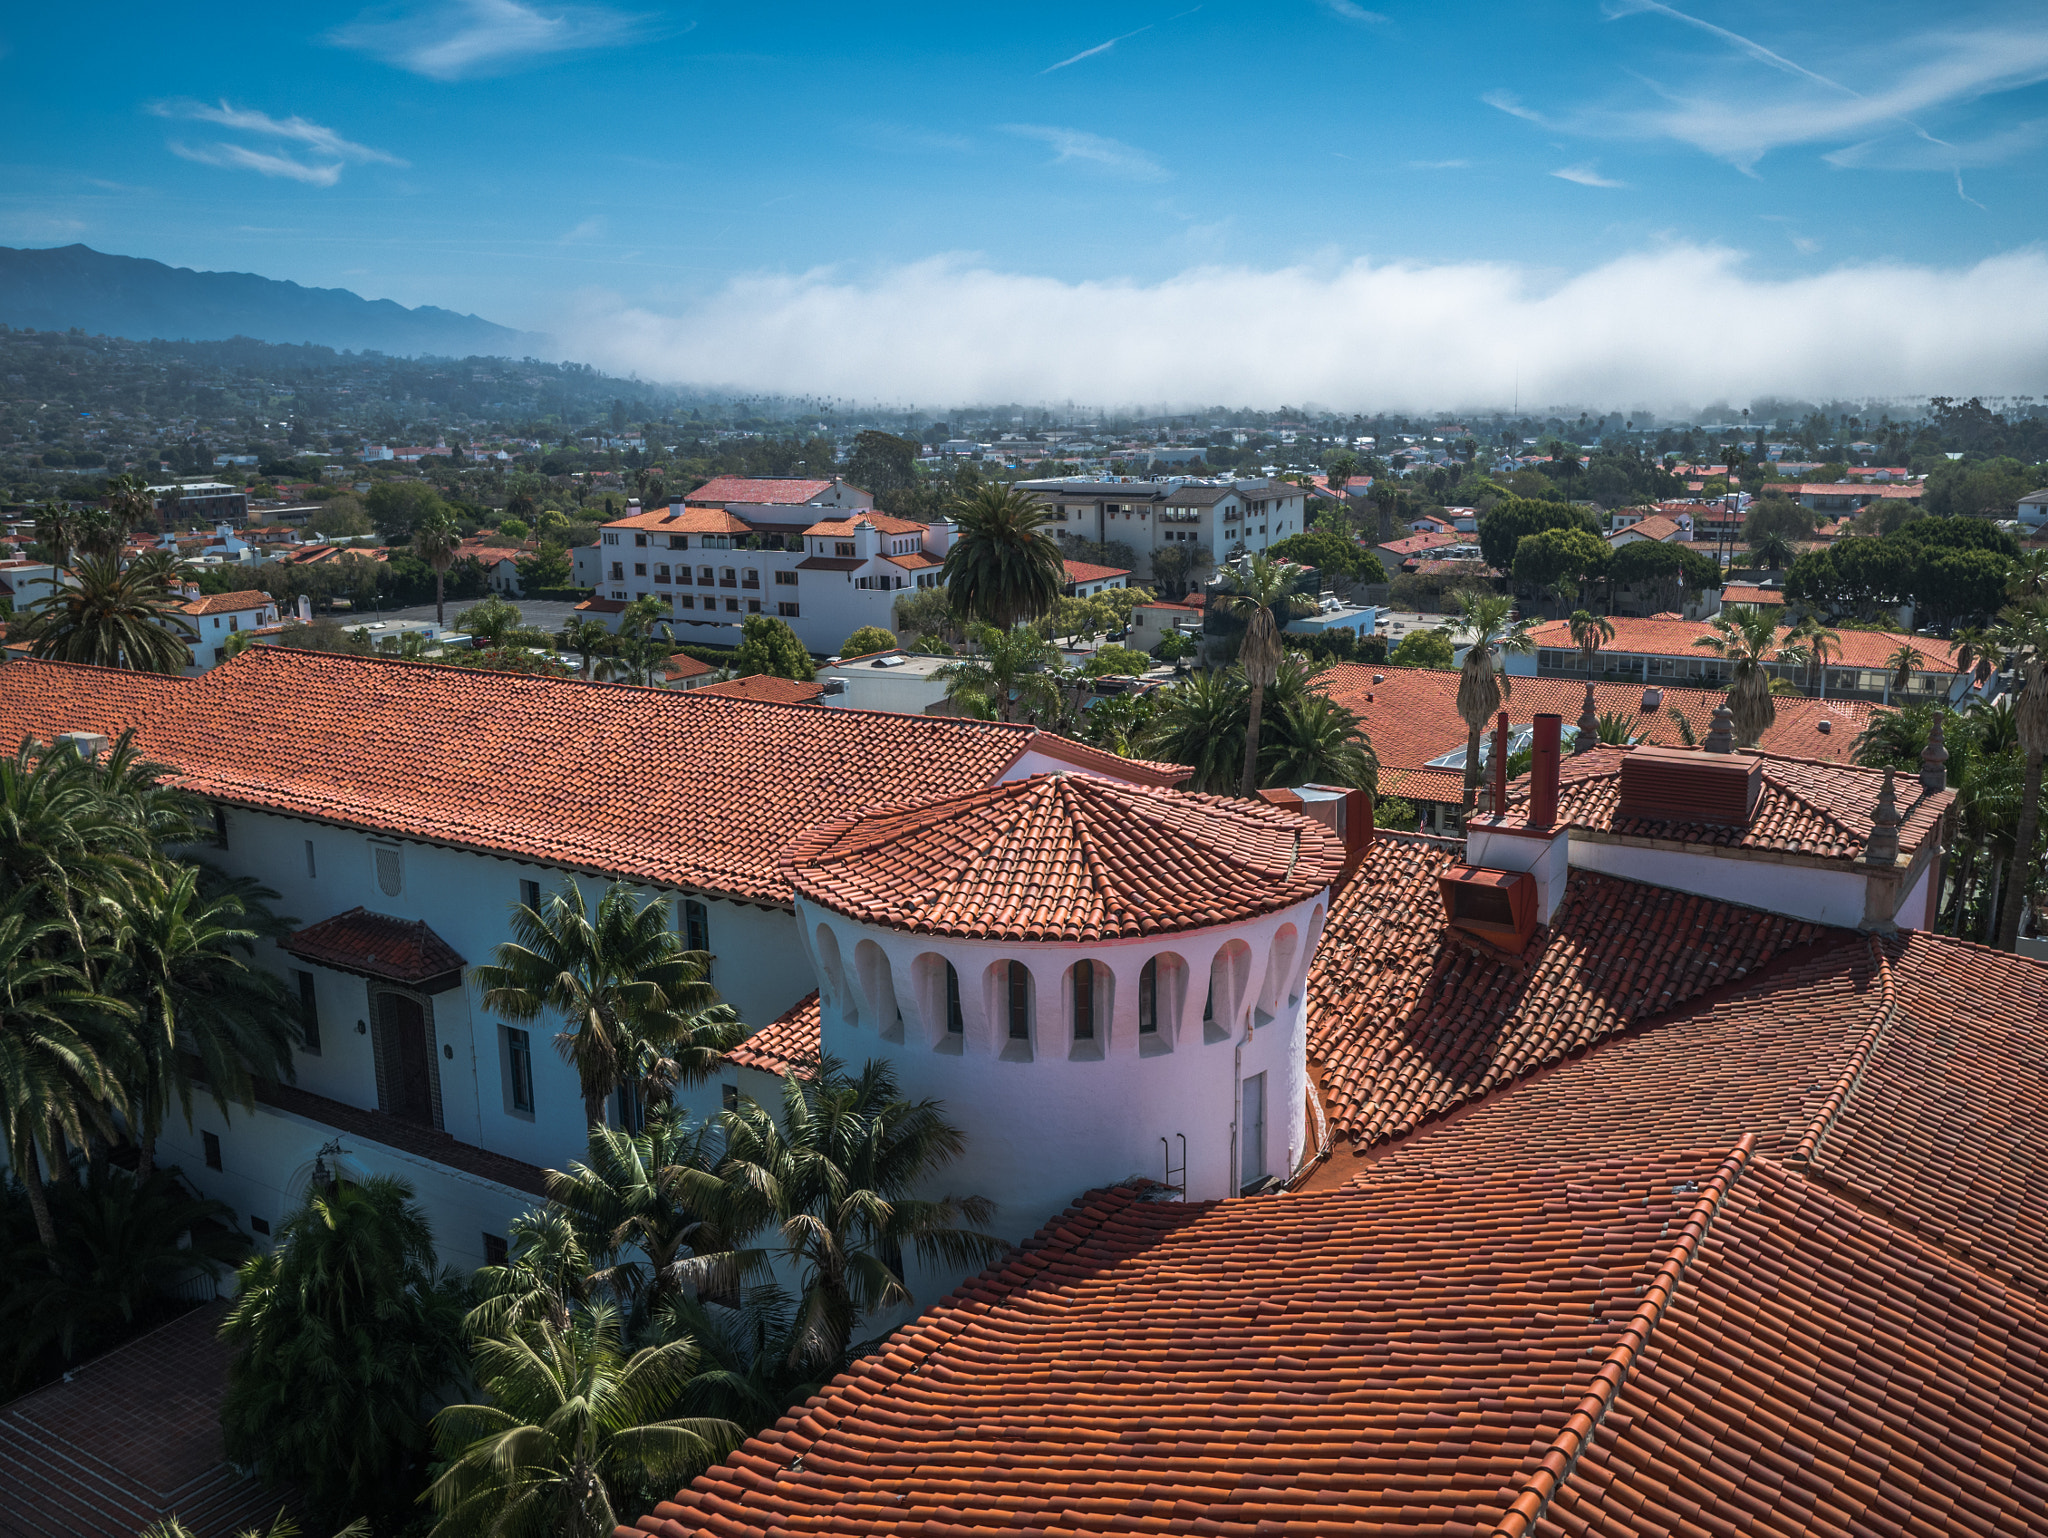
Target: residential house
(23, 582)
(2032, 512)
(1849, 496)
(1658, 528)
(1415, 548)
(217, 616)
(1085, 580)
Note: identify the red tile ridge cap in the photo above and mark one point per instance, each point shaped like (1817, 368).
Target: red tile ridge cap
(1572, 1439)
(1866, 1050)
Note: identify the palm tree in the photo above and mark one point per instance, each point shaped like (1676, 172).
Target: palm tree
(344, 1334)
(1482, 680)
(1317, 741)
(585, 637)
(1813, 643)
(1201, 723)
(1262, 586)
(574, 1438)
(1772, 550)
(281, 1526)
(746, 1374)
(129, 501)
(1003, 567)
(1386, 496)
(831, 1179)
(2022, 634)
(1899, 666)
(187, 947)
(637, 1011)
(435, 539)
(1977, 654)
(1589, 632)
(1010, 676)
(1747, 636)
(114, 618)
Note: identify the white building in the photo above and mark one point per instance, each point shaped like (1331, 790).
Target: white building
(219, 616)
(1225, 518)
(25, 582)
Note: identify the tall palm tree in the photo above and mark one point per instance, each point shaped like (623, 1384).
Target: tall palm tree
(1201, 723)
(344, 1333)
(1900, 665)
(575, 1437)
(115, 618)
(1589, 632)
(1813, 643)
(129, 501)
(636, 1010)
(1260, 586)
(830, 1179)
(1482, 679)
(1386, 496)
(435, 539)
(1010, 676)
(585, 637)
(1003, 567)
(1747, 636)
(2023, 635)
(1977, 654)
(187, 948)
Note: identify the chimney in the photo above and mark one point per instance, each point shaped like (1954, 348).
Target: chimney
(632, 507)
(675, 507)
(1500, 765)
(1543, 771)
(1676, 785)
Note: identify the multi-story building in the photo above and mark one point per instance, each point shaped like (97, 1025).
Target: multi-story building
(1226, 518)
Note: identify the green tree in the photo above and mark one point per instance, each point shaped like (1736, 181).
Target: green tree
(341, 517)
(883, 464)
(1668, 570)
(129, 501)
(344, 1334)
(637, 1011)
(1589, 632)
(1003, 566)
(1482, 680)
(1201, 723)
(1774, 513)
(833, 1181)
(1425, 649)
(1812, 643)
(1772, 551)
(2022, 633)
(397, 508)
(547, 570)
(1260, 586)
(1333, 555)
(1317, 741)
(928, 611)
(1008, 678)
(585, 637)
(868, 640)
(489, 620)
(1119, 723)
(114, 618)
(574, 1437)
(1175, 568)
(1747, 636)
(1114, 659)
(768, 645)
(1557, 558)
(1512, 520)
(435, 539)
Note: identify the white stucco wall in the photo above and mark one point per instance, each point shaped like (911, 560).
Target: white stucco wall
(1822, 896)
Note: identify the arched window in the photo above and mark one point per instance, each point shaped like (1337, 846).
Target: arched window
(1019, 981)
(1148, 998)
(956, 1023)
(1084, 1001)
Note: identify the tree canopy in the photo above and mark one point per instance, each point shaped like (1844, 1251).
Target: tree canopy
(1513, 519)
(768, 645)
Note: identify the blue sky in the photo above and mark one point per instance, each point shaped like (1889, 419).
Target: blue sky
(702, 189)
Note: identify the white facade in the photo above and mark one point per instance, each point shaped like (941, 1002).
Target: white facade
(1225, 518)
(1048, 1116)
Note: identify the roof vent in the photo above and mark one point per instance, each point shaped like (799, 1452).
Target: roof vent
(1653, 699)
(86, 744)
(1497, 906)
(1673, 785)
(834, 686)
(893, 661)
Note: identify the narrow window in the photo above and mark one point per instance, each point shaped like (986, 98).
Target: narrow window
(1020, 1002)
(210, 1141)
(1148, 999)
(519, 1058)
(495, 1250)
(1209, 1004)
(259, 1225)
(529, 895)
(1084, 1001)
(956, 1025)
(312, 870)
(220, 827)
(729, 1096)
(697, 930)
(309, 1014)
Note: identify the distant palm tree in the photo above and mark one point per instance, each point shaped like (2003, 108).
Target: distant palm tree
(435, 539)
(1386, 496)
(129, 501)
(1901, 664)
(1977, 654)
(1260, 586)
(636, 1010)
(114, 618)
(574, 1435)
(1589, 632)
(1010, 676)
(1813, 643)
(1482, 680)
(1772, 550)
(1201, 723)
(2022, 634)
(1747, 636)
(281, 1526)
(585, 637)
(1003, 566)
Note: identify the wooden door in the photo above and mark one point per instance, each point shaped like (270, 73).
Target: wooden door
(408, 1060)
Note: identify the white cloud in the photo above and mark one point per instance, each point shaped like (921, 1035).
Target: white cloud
(1903, 152)
(463, 38)
(1089, 53)
(1352, 12)
(1438, 165)
(1511, 104)
(1586, 176)
(330, 152)
(1358, 336)
(239, 157)
(1092, 149)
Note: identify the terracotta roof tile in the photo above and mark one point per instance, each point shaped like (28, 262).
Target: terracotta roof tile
(1067, 857)
(786, 1042)
(682, 665)
(658, 785)
(917, 560)
(692, 520)
(375, 945)
(1083, 571)
(227, 603)
(744, 489)
(1675, 638)
(765, 686)
(1739, 592)
(882, 522)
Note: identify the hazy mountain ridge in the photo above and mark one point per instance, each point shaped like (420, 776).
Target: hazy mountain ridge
(58, 288)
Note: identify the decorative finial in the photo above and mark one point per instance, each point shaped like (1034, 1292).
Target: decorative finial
(1589, 725)
(1721, 733)
(1934, 760)
(1883, 848)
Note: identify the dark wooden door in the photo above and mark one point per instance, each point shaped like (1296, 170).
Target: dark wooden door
(408, 1060)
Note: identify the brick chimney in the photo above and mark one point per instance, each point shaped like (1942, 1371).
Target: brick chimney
(1543, 770)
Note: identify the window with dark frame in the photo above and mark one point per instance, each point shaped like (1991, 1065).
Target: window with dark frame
(309, 1013)
(496, 1251)
(210, 1141)
(1084, 1001)
(1020, 1002)
(956, 1024)
(519, 1059)
(729, 1096)
(312, 868)
(529, 894)
(1148, 998)
(697, 930)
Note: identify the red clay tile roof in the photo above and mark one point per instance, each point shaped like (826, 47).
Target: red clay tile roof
(1415, 544)
(688, 791)
(1063, 857)
(1910, 493)
(1083, 571)
(1675, 638)
(831, 563)
(227, 603)
(917, 560)
(1655, 527)
(1740, 592)
(789, 1041)
(692, 520)
(1821, 810)
(846, 523)
(1407, 1021)
(744, 489)
(682, 665)
(764, 686)
(375, 945)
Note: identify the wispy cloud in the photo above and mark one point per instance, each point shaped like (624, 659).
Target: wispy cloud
(464, 38)
(1438, 165)
(1586, 176)
(1353, 12)
(1089, 53)
(1071, 144)
(1897, 152)
(1805, 245)
(1511, 104)
(912, 141)
(592, 228)
(1364, 335)
(319, 163)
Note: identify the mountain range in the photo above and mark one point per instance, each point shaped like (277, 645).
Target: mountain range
(57, 288)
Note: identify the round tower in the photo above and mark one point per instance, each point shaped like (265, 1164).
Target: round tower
(1099, 980)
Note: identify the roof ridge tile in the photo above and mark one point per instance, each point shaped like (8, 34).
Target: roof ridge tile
(1831, 1108)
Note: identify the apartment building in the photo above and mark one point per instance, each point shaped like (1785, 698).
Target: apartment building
(1227, 518)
